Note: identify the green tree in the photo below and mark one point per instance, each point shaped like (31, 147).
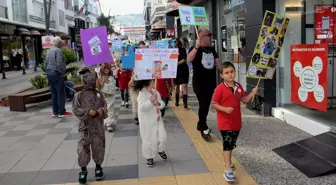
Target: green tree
(107, 21)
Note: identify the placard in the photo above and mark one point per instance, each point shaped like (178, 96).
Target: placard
(116, 46)
(129, 59)
(309, 78)
(324, 24)
(95, 46)
(193, 16)
(155, 63)
(47, 41)
(267, 50)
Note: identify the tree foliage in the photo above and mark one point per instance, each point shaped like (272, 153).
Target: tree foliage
(107, 21)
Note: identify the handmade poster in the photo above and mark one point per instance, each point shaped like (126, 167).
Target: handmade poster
(324, 24)
(309, 78)
(267, 50)
(116, 46)
(95, 46)
(193, 16)
(155, 63)
(129, 59)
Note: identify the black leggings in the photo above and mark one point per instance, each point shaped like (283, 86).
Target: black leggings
(124, 95)
(204, 97)
(166, 101)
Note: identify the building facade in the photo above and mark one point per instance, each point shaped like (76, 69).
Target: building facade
(147, 17)
(158, 19)
(135, 34)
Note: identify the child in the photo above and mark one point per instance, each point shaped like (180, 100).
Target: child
(124, 76)
(89, 106)
(152, 130)
(226, 100)
(163, 86)
(134, 97)
(105, 86)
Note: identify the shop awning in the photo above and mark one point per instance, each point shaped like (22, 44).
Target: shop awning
(24, 31)
(172, 8)
(34, 33)
(159, 25)
(65, 36)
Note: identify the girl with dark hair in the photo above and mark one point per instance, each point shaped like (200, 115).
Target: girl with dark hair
(182, 77)
(152, 130)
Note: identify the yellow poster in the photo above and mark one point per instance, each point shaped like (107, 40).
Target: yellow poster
(267, 51)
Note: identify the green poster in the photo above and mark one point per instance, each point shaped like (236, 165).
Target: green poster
(193, 16)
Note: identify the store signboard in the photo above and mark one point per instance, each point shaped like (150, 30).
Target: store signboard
(324, 24)
(47, 41)
(267, 50)
(193, 16)
(309, 78)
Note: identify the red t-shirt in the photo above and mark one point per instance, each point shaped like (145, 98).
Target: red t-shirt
(161, 86)
(124, 76)
(224, 96)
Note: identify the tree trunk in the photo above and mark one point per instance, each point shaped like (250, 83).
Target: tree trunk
(47, 14)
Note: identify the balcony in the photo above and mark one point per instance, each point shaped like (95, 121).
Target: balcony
(3, 12)
(41, 20)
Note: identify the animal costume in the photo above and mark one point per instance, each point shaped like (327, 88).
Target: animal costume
(152, 129)
(91, 129)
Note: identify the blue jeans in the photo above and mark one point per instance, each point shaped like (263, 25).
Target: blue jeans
(69, 93)
(56, 82)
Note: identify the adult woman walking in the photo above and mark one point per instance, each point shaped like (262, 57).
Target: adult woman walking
(182, 77)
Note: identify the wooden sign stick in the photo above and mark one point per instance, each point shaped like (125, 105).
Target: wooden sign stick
(256, 86)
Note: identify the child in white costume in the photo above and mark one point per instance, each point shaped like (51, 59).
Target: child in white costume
(152, 129)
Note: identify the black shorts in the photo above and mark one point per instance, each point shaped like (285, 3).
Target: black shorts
(229, 139)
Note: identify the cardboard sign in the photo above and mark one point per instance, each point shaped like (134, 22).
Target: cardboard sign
(95, 46)
(267, 51)
(193, 16)
(129, 59)
(155, 63)
(309, 78)
(47, 41)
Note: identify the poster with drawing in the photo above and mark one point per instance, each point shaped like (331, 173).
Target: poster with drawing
(155, 63)
(193, 16)
(95, 46)
(267, 50)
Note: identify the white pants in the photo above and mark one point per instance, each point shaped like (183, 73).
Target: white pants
(110, 120)
(153, 139)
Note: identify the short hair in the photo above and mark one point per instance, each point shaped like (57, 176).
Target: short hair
(226, 65)
(140, 84)
(57, 40)
(178, 43)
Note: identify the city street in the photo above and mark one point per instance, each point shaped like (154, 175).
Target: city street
(36, 149)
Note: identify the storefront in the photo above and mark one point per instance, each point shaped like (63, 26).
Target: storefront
(231, 40)
(311, 22)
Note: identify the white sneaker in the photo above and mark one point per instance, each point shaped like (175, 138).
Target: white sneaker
(123, 103)
(110, 129)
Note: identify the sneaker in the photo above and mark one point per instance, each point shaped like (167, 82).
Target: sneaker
(66, 114)
(122, 103)
(54, 114)
(163, 155)
(206, 134)
(228, 176)
(99, 174)
(150, 162)
(110, 128)
(126, 105)
(82, 177)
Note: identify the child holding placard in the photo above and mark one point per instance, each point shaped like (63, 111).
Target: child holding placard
(152, 129)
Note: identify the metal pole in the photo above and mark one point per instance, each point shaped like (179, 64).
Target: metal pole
(1, 62)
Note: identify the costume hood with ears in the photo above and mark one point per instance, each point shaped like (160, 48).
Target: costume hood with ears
(89, 78)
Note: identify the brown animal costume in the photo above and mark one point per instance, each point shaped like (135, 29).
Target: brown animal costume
(91, 129)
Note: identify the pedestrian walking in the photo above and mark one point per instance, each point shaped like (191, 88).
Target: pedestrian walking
(204, 60)
(89, 106)
(226, 100)
(152, 130)
(55, 69)
(124, 76)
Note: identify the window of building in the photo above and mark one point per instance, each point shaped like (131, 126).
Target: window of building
(68, 4)
(38, 10)
(19, 10)
(61, 18)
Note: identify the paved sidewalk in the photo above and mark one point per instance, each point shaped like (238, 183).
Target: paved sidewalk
(258, 137)
(36, 149)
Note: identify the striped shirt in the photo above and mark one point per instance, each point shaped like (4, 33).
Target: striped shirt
(55, 60)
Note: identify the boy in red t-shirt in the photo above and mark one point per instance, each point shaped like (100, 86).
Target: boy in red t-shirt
(226, 100)
(164, 86)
